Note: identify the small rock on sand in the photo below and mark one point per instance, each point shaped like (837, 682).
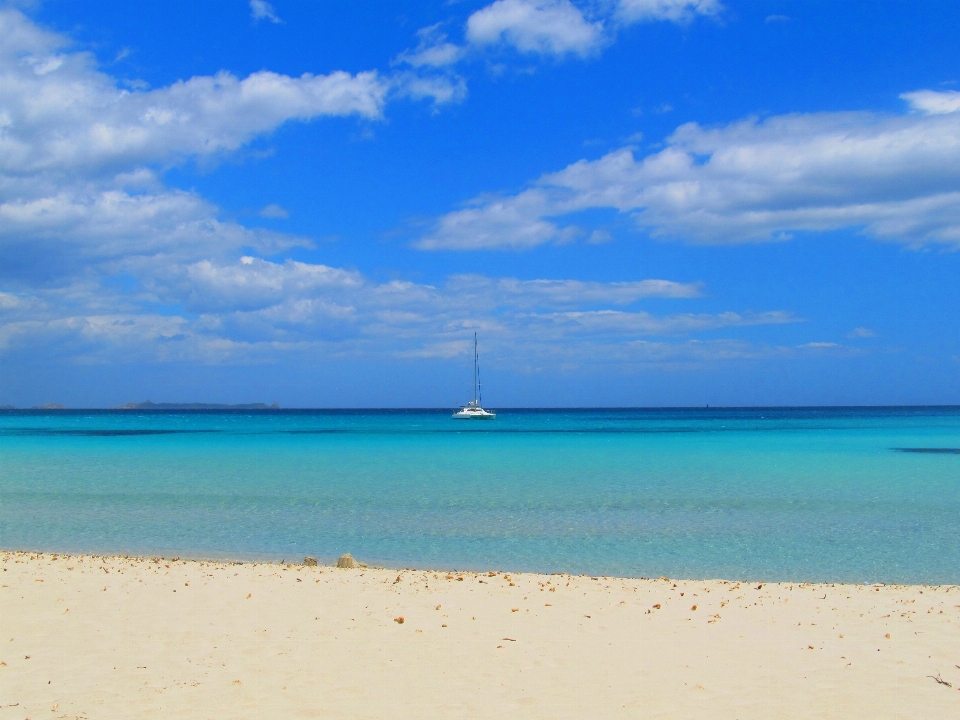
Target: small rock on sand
(310, 561)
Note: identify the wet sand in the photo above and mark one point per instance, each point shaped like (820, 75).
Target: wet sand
(117, 637)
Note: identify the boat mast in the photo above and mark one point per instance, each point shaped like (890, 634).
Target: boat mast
(476, 373)
(479, 387)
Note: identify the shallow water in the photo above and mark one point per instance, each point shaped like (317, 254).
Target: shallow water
(839, 494)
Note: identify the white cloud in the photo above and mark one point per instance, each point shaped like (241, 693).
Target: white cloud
(92, 243)
(602, 322)
(103, 338)
(262, 10)
(92, 225)
(548, 27)
(934, 102)
(861, 332)
(896, 177)
(433, 50)
(8, 301)
(274, 212)
(632, 11)
(819, 345)
(432, 77)
(441, 88)
(81, 157)
(554, 28)
(252, 308)
(516, 223)
(58, 112)
(73, 116)
(558, 293)
(253, 283)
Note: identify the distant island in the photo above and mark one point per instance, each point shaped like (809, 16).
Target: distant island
(147, 405)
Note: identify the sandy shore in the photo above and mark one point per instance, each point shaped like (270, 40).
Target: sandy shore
(92, 637)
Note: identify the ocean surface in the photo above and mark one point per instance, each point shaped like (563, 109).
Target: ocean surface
(818, 494)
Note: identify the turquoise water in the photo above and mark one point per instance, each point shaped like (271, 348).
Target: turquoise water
(799, 494)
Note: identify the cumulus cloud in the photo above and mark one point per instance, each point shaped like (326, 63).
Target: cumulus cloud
(558, 27)
(262, 10)
(679, 11)
(554, 27)
(433, 76)
(81, 158)
(551, 28)
(253, 283)
(441, 88)
(603, 322)
(516, 222)
(934, 102)
(60, 113)
(254, 307)
(79, 229)
(100, 338)
(433, 50)
(895, 177)
(256, 283)
(101, 262)
(558, 293)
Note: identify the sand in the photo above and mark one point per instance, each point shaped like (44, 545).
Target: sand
(115, 637)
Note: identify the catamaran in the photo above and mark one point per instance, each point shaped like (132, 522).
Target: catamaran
(472, 410)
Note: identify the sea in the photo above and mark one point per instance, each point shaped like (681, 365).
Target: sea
(862, 495)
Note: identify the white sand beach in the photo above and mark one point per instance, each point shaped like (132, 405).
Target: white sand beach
(116, 637)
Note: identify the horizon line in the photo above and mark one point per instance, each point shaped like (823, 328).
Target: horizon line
(242, 407)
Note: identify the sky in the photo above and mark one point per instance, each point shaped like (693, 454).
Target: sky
(631, 202)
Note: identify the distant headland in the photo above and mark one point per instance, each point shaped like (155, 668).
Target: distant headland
(147, 405)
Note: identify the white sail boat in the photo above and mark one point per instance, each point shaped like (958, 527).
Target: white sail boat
(472, 410)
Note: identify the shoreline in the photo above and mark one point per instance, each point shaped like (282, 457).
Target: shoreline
(331, 563)
(116, 636)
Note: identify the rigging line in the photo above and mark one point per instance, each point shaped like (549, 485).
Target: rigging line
(479, 386)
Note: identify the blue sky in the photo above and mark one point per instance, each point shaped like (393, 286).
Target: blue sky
(633, 202)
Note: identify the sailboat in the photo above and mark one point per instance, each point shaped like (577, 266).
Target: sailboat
(472, 410)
